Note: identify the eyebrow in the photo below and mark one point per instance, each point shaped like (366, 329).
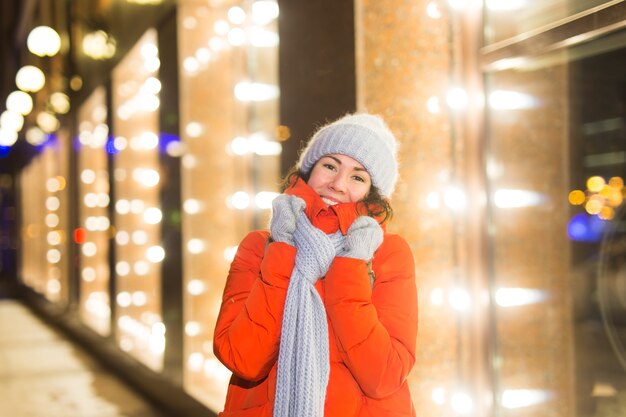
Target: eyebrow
(339, 162)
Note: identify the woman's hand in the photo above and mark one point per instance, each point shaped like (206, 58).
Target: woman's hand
(363, 238)
(285, 211)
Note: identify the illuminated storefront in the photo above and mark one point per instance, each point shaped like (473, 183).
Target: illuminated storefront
(511, 120)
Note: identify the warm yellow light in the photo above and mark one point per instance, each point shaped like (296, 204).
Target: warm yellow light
(512, 198)
(7, 137)
(54, 238)
(595, 183)
(576, 197)
(615, 197)
(236, 15)
(146, 176)
(193, 328)
(52, 220)
(196, 287)
(53, 286)
(62, 182)
(612, 196)
(31, 231)
(145, 2)
(510, 100)
(155, 254)
(88, 274)
(594, 205)
(122, 268)
(616, 182)
(521, 398)
(230, 252)
(195, 246)
(283, 133)
(124, 299)
(507, 6)
(76, 83)
(606, 213)
(60, 103)
(264, 11)
(247, 91)
(221, 27)
(53, 256)
(239, 200)
(459, 299)
(35, 136)
(195, 362)
(153, 215)
(30, 78)
(47, 122)
(139, 237)
(192, 206)
(457, 98)
(53, 203)
(43, 41)
(236, 36)
(513, 297)
(264, 199)
(432, 10)
(99, 45)
(20, 102)
(437, 297)
(11, 120)
(53, 185)
(438, 395)
(433, 105)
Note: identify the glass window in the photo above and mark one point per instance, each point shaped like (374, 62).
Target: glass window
(93, 232)
(138, 217)
(44, 219)
(230, 167)
(556, 165)
(507, 18)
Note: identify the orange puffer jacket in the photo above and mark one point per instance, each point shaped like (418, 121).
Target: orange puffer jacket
(372, 330)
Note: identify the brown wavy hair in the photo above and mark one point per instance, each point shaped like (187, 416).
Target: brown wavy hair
(374, 204)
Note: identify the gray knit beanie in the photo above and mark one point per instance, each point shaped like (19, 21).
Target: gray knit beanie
(364, 137)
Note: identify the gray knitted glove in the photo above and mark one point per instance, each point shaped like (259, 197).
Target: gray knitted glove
(363, 238)
(316, 249)
(285, 211)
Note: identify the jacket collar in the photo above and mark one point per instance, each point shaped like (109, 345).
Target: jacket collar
(327, 218)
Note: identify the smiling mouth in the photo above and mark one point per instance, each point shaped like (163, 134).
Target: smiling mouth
(329, 201)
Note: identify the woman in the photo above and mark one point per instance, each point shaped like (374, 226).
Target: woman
(319, 316)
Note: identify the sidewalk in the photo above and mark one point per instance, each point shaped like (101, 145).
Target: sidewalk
(42, 374)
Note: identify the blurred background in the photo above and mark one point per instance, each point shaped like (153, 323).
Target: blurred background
(140, 140)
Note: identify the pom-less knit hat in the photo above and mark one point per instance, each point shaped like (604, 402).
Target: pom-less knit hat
(363, 137)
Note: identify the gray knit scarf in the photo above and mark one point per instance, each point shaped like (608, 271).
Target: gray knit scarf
(303, 359)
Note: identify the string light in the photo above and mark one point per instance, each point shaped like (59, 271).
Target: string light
(250, 91)
(11, 120)
(43, 41)
(20, 102)
(508, 198)
(30, 79)
(8, 137)
(520, 398)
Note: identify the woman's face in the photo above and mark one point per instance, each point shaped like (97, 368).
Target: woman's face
(339, 179)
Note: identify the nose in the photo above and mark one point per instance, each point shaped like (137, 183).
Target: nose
(338, 183)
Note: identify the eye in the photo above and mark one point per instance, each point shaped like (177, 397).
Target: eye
(329, 166)
(358, 178)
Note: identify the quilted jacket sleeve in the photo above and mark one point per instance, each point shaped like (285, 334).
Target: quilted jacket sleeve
(247, 333)
(376, 329)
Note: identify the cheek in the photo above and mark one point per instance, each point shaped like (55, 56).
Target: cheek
(358, 193)
(313, 181)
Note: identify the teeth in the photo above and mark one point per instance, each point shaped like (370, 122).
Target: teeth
(329, 202)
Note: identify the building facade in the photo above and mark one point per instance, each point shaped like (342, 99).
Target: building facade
(182, 116)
